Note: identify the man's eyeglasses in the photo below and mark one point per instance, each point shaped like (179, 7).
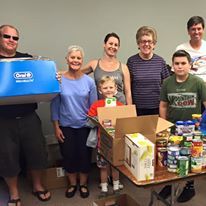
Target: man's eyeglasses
(6, 36)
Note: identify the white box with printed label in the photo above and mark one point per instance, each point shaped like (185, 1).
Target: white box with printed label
(139, 156)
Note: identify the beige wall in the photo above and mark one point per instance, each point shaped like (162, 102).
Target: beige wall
(48, 27)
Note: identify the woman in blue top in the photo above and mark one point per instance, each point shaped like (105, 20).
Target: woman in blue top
(69, 115)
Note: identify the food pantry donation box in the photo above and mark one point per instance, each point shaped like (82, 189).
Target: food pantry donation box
(125, 121)
(27, 81)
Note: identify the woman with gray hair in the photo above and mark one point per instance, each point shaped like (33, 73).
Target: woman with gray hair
(69, 115)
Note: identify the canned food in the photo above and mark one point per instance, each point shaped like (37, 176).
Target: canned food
(169, 161)
(204, 159)
(187, 144)
(179, 127)
(183, 166)
(161, 142)
(172, 170)
(196, 164)
(172, 166)
(175, 139)
(110, 130)
(173, 150)
(107, 122)
(187, 137)
(189, 126)
(185, 151)
(197, 148)
(170, 157)
(197, 135)
(161, 156)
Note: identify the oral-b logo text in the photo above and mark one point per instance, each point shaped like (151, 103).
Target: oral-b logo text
(25, 76)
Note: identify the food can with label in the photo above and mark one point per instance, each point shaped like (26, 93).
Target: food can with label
(182, 165)
(173, 152)
(185, 151)
(196, 164)
(107, 122)
(197, 148)
(161, 156)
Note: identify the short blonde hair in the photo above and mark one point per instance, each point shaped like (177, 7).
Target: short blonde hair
(106, 79)
(146, 30)
(73, 48)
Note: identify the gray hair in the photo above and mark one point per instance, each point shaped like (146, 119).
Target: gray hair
(146, 30)
(73, 48)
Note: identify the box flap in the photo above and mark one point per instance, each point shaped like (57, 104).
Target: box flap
(137, 124)
(163, 124)
(113, 113)
(147, 125)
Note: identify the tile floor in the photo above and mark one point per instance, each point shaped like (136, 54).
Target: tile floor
(141, 195)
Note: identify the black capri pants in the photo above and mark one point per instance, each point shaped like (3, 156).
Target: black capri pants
(76, 155)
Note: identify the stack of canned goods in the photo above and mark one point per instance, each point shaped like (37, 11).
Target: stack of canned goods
(107, 123)
(161, 151)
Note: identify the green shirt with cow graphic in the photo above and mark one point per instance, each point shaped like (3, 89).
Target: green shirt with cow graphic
(184, 99)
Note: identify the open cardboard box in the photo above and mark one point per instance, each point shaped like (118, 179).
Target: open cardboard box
(55, 178)
(112, 148)
(125, 121)
(120, 200)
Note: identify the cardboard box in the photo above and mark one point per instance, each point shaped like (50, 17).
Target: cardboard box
(125, 121)
(120, 200)
(27, 81)
(139, 156)
(55, 178)
(112, 148)
(53, 151)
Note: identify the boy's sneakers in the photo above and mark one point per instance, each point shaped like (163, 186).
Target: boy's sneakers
(110, 182)
(187, 194)
(104, 190)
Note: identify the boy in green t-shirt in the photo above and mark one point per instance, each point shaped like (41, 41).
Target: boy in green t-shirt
(181, 96)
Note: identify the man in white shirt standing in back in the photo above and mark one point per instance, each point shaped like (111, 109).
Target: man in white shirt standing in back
(196, 46)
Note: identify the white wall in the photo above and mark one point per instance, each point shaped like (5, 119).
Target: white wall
(48, 27)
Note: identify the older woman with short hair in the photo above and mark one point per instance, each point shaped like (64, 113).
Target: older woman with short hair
(69, 115)
(147, 71)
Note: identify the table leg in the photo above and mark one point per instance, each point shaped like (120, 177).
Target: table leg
(165, 202)
(155, 194)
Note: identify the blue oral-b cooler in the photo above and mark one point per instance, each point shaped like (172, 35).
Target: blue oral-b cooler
(27, 81)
